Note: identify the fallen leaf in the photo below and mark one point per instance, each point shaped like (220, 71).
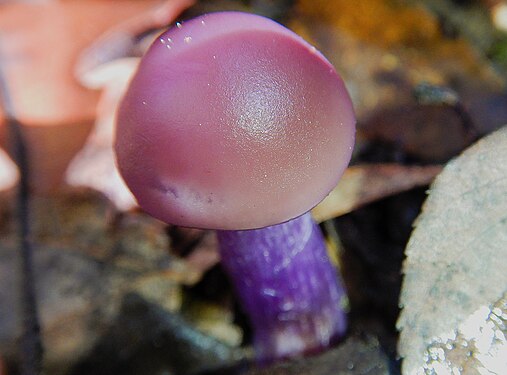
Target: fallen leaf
(455, 281)
(363, 184)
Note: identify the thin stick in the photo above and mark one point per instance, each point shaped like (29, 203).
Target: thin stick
(31, 345)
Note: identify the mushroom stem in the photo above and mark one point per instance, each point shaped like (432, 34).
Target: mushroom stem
(287, 286)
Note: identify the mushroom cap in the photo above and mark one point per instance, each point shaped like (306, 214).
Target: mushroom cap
(233, 122)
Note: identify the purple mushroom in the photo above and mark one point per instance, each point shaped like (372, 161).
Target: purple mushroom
(233, 122)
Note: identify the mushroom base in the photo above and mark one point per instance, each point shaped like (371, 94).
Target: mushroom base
(287, 287)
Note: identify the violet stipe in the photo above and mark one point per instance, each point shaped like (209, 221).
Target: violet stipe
(287, 286)
(233, 122)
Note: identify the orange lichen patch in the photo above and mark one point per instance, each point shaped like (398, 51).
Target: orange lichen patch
(386, 23)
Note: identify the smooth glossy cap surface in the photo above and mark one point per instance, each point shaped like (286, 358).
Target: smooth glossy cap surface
(233, 122)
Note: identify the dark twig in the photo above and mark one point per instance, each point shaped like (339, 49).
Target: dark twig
(31, 345)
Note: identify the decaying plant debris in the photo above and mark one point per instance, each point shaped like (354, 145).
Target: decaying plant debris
(119, 292)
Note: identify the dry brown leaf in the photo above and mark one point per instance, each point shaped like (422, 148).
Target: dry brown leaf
(363, 184)
(454, 294)
(39, 46)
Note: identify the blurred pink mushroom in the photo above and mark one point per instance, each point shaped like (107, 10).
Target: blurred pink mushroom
(55, 111)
